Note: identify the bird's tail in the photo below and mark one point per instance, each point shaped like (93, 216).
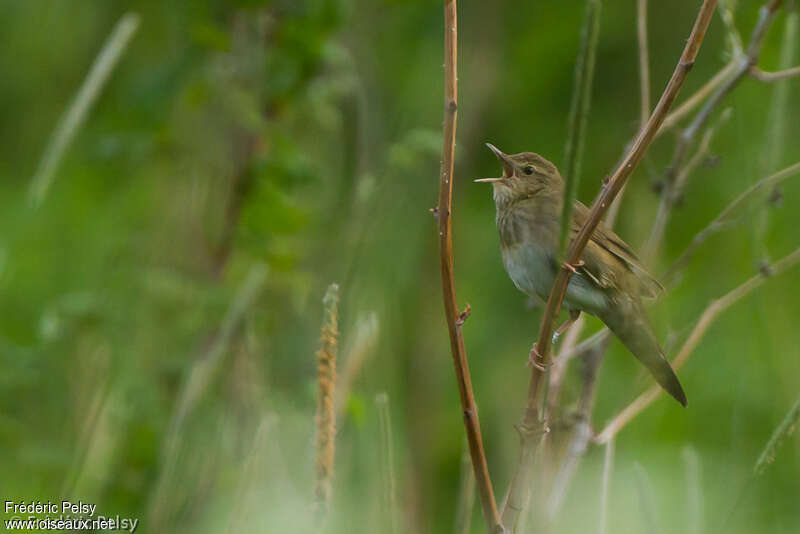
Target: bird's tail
(628, 320)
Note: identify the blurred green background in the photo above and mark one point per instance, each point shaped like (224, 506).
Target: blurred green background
(160, 308)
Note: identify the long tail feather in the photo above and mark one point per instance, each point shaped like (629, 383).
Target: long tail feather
(628, 320)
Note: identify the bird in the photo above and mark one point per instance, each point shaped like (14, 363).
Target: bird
(609, 282)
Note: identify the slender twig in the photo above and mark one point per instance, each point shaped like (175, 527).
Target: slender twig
(644, 62)
(581, 432)
(531, 425)
(605, 489)
(742, 64)
(466, 496)
(673, 191)
(697, 98)
(733, 37)
(726, 217)
(326, 411)
(71, 121)
(454, 318)
(387, 461)
(765, 76)
(712, 311)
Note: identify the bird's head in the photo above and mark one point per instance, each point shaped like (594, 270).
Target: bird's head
(525, 175)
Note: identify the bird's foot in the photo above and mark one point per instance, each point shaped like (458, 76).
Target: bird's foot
(573, 268)
(573, 316)
(535, 359)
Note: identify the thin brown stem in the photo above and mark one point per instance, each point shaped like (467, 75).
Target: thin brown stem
(532, 425)
(454, 318)
(712, 311)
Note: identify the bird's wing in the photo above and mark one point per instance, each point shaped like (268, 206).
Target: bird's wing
(607, 257)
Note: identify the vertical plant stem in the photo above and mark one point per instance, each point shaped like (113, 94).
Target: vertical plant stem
(579, 114)
(389, 491)
(647, 500)
(605, 490)
(454, 319)
(71, 121)
(694, 495)
(326, 405)
(644, 62)
(531, 424)
(775, 142)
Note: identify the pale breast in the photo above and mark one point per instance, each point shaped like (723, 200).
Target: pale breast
(532, 269)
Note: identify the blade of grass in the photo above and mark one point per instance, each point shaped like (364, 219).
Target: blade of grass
(76, 113)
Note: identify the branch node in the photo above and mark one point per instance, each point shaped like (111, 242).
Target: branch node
(463, 315)
(765, 268)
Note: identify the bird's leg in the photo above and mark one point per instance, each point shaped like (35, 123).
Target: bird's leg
(535, 359)
(573, 268)
(573, 316)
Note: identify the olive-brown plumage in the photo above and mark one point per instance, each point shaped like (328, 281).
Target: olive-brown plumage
(609, 284)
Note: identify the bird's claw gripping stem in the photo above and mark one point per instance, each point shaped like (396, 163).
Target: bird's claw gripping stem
(535, 359)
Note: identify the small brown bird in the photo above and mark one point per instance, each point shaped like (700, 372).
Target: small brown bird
(609, 282)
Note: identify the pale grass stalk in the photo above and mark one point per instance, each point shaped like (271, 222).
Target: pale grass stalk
(203, 370)
(694, 495)
(785, 429)
(775, 142)
(366, 335)
(466, 495)
(769, 77)
(647, 500)
(386, 451)
(605, 488)
(711, 313)
(81, 104)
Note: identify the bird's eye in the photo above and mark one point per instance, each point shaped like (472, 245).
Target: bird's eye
(528, 170)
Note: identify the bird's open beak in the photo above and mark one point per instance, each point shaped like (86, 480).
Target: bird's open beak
(508, 168)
